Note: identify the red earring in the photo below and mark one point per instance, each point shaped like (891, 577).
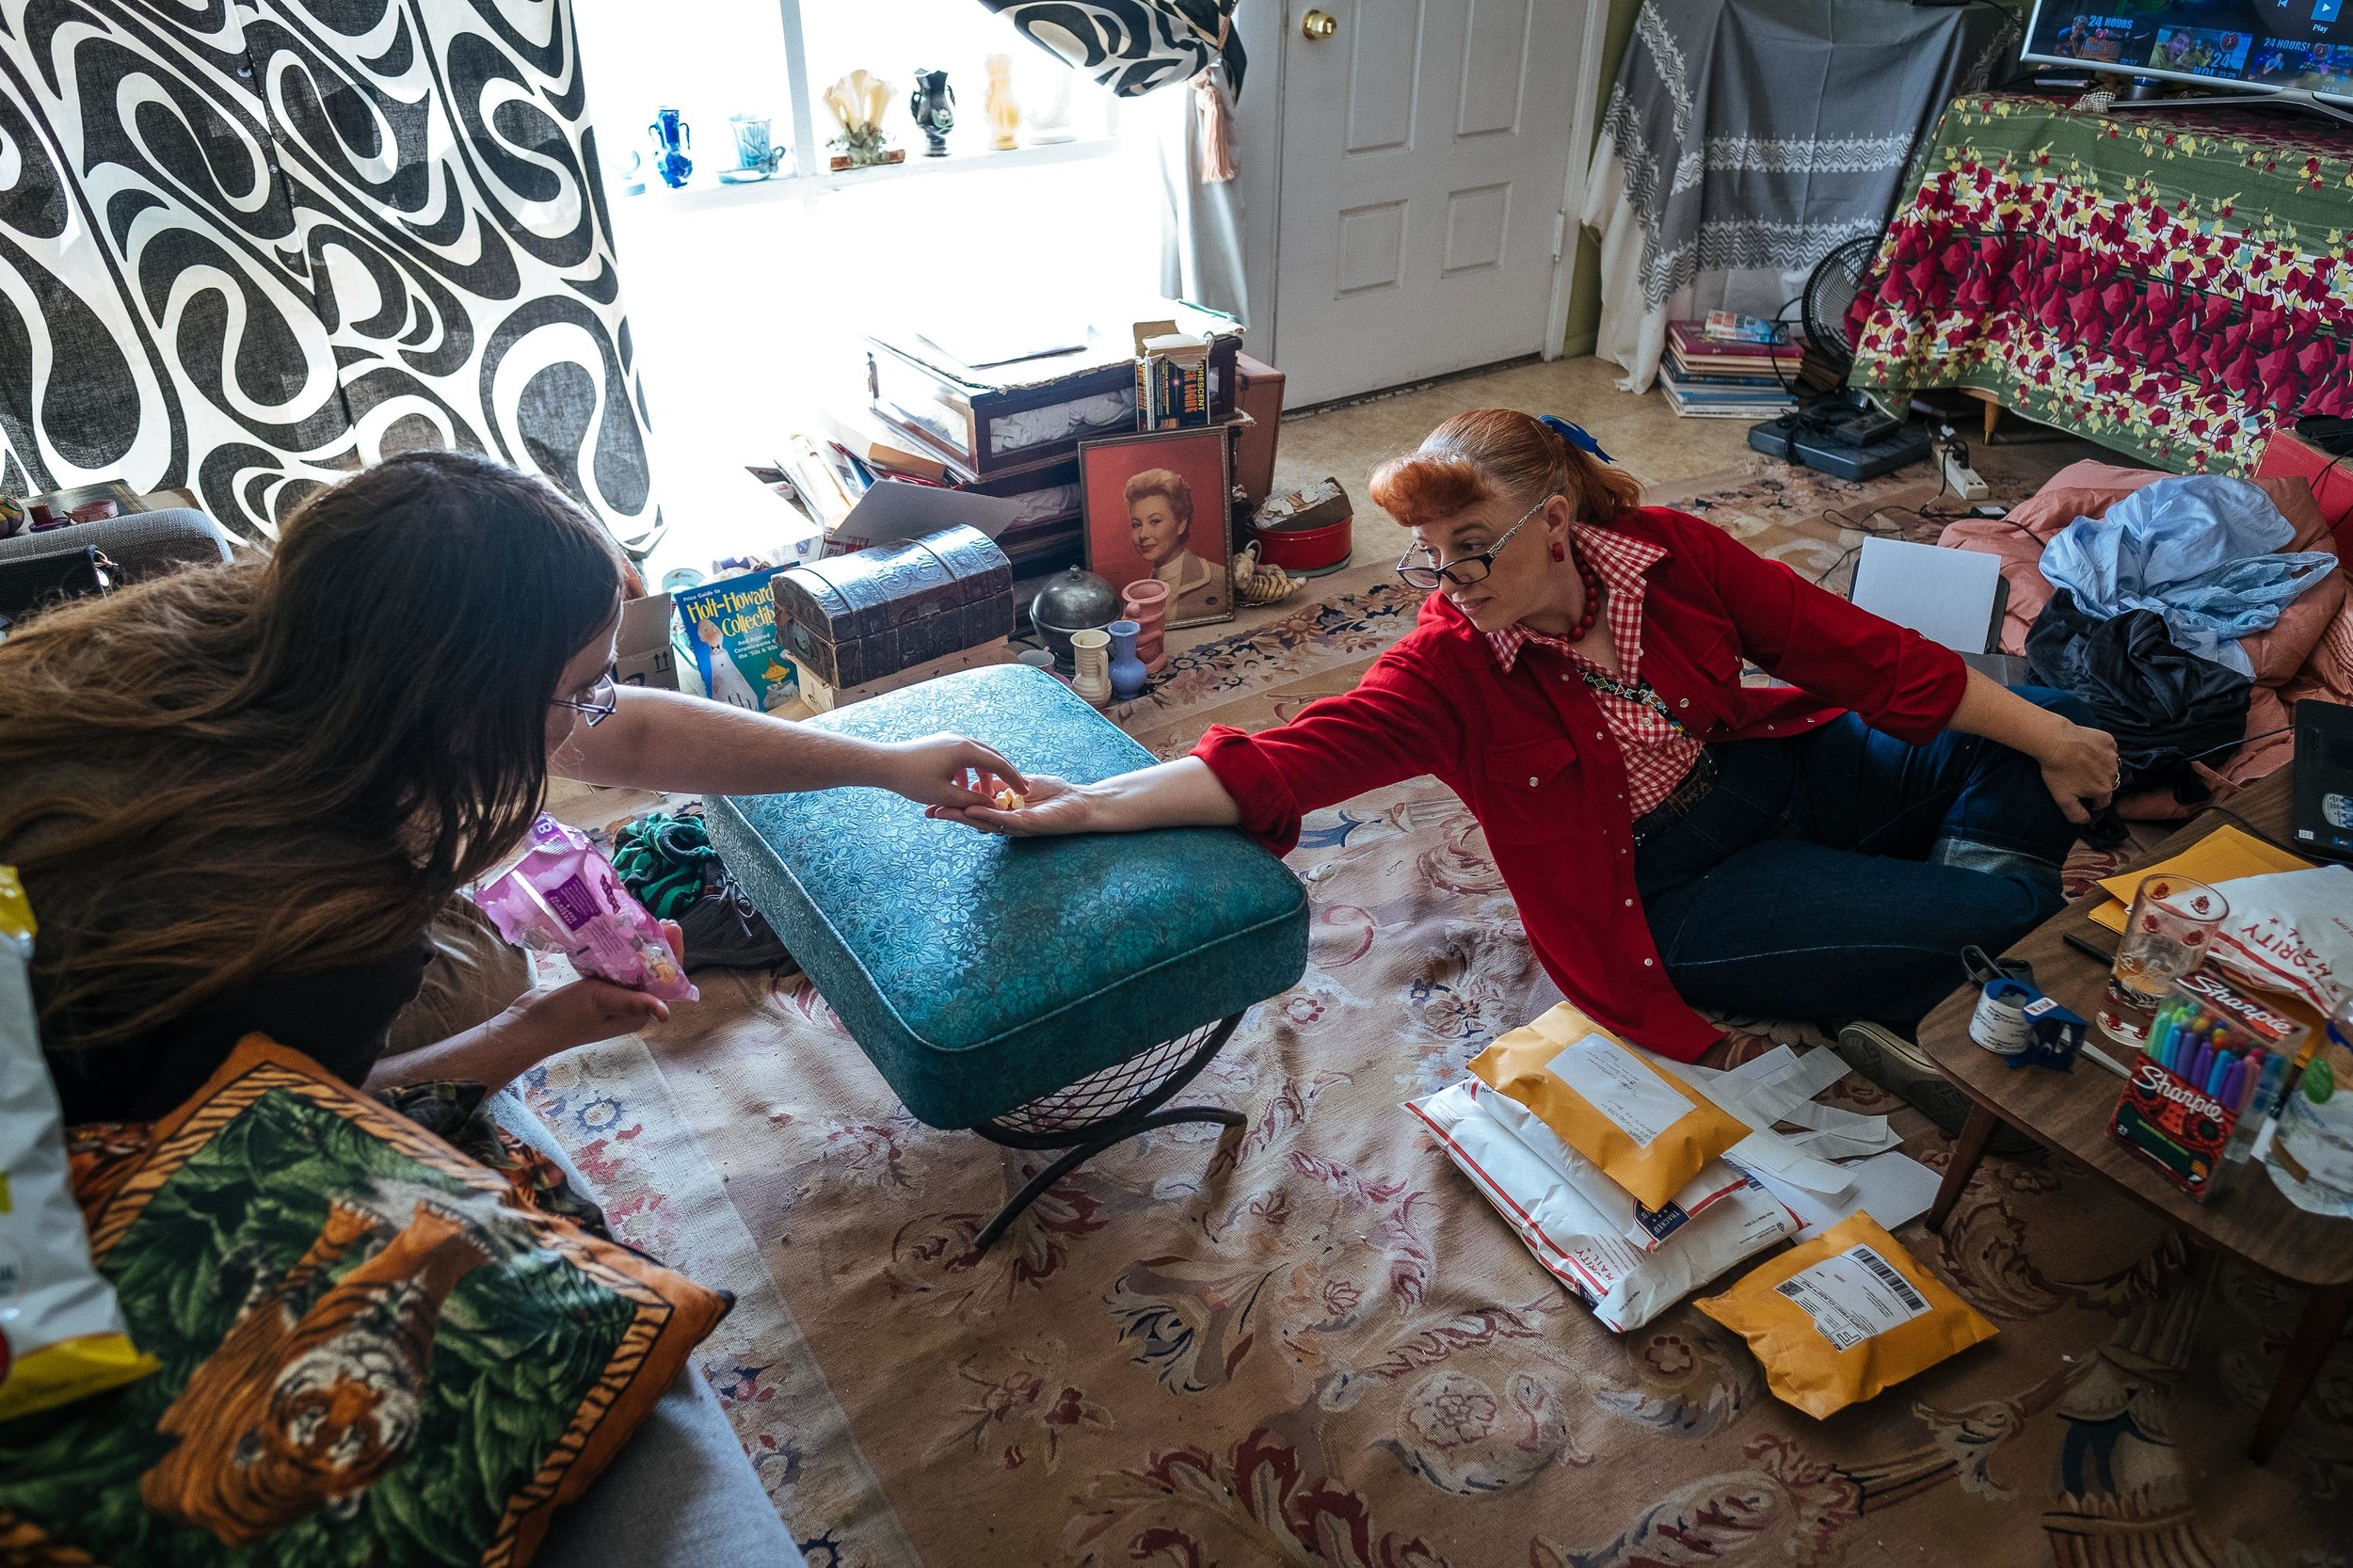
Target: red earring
(1560, 553)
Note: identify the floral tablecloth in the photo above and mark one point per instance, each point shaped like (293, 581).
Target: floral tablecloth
(2172, 283)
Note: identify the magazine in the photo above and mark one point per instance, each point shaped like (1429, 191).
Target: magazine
(728, 635)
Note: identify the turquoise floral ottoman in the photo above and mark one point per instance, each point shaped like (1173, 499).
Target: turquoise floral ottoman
(1046, 993)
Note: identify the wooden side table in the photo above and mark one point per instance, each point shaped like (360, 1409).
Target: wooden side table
(2068, 1112)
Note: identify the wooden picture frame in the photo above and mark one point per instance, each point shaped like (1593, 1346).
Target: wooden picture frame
(1158, 504)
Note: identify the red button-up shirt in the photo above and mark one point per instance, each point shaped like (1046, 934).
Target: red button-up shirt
(1531, 753)
(1657, 749)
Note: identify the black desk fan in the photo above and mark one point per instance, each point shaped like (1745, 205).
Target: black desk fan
(1841, 433)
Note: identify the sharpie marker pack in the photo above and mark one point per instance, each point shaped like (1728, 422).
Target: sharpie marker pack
(2209, 1072)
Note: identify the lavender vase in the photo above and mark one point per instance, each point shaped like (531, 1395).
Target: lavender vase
(1127, 672)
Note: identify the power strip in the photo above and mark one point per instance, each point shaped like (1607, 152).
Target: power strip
(1953, 454)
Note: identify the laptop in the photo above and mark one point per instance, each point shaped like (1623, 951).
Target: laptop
(2323, 819)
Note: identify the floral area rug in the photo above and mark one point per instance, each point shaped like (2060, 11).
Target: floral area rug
(1308, 1342)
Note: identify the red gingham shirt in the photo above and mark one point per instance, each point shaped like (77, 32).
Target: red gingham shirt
(1657, 753)
(1534, 763)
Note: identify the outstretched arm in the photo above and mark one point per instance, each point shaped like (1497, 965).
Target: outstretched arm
(1183, 793)
(1899, 681)
(1395, 725)
(669, 741)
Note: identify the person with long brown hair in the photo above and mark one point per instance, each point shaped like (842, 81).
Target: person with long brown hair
(245, 798)
(1674, 836)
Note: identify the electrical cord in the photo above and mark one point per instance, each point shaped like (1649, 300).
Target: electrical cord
(1865, 525)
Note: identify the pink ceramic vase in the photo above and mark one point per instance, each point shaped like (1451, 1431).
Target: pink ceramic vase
(1146, 604)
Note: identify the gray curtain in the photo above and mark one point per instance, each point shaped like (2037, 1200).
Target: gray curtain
(1200, 220)
(249, 245)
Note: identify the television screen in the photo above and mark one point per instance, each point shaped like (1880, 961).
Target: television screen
(2262, 43)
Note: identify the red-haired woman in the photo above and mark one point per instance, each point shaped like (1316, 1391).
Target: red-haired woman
(1674, 838)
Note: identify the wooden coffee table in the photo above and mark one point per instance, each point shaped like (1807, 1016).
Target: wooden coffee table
(2068, 1112)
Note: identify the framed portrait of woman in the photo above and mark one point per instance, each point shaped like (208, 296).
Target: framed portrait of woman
(1156, 505)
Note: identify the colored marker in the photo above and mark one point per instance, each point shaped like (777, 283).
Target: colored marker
(2200, 1063)
(2223, 1066)
(2234, 1085)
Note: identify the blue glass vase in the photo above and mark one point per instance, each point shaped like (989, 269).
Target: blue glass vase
(673, 139)
(1127, 672)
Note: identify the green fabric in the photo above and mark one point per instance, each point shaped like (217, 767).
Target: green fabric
(2172, 283)
(979, 973)
(660, 859)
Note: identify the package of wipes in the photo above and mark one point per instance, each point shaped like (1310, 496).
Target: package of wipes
(1645, 1129)
(1839, 1319)
(1626, 1285)
(61, 1331)
(564, 897)
(2291, 932)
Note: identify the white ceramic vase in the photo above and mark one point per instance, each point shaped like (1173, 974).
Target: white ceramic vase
(1089, 652)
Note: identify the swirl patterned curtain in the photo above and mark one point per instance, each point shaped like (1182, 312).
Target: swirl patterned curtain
(247, 245)
(1132, 46)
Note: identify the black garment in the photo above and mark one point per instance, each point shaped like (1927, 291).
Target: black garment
(2163, 704)
(341, 1018)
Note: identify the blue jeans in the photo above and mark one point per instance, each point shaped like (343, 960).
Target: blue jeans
(1838, 873)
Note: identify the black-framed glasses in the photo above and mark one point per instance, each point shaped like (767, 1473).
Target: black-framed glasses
(600, 702)
(1427, 574)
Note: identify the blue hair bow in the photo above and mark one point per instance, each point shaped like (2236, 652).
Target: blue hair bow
(1577, 436)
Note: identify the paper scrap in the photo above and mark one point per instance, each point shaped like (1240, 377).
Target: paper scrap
(1892, 1188)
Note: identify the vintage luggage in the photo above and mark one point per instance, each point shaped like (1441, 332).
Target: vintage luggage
(989, 419)
(1260, 396)
(854, 619)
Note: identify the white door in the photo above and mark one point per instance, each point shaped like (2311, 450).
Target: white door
(1426, 153)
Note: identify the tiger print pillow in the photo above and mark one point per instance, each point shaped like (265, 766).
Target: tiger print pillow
(369, 1356)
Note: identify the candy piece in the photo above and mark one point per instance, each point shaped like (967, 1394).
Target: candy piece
(1009, 800)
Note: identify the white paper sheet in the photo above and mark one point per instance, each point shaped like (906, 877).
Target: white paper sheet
(1892, 1188)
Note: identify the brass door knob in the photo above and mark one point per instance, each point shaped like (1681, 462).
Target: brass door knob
(1318, 26)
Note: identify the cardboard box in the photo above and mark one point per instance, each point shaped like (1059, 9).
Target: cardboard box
(2289, 456)
(643, 654)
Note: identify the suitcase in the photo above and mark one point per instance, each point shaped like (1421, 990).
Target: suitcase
(858, 617)
(988, 419)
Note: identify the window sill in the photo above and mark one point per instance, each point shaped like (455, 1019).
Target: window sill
(707, 192)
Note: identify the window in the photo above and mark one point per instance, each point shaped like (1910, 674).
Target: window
(747, 299)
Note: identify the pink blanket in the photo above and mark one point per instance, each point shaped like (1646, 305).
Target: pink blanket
(2309, 654)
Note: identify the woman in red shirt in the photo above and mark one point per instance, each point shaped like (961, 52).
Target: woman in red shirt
(1673, 837)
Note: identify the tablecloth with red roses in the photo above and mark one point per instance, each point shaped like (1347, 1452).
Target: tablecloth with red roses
(2168, 283)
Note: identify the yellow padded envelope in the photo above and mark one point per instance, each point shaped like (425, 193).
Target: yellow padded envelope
(2218, 856)
(1839, 1319)
(1648, 1131)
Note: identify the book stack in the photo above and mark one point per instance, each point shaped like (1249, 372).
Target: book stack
(1727, 372)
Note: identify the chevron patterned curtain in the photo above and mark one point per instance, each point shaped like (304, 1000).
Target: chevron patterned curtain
(1134, 46)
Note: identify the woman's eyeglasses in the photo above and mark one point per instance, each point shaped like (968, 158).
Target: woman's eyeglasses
(1426, 574)
(597, 704)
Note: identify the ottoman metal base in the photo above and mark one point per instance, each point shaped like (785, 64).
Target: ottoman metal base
(1103, 1108)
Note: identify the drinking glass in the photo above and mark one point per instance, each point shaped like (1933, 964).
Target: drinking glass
(2167, 934)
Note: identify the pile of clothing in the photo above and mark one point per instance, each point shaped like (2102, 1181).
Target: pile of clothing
(2189, 612)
